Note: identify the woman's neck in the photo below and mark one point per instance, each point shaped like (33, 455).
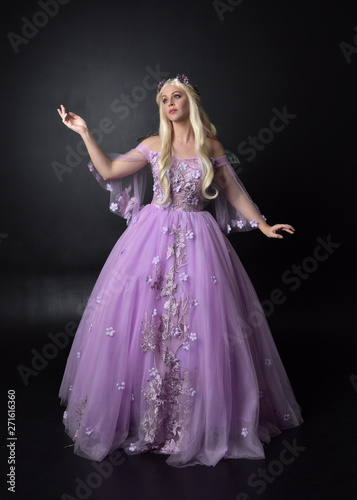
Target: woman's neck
(183, 133)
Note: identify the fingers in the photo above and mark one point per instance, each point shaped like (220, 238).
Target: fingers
(284, 227)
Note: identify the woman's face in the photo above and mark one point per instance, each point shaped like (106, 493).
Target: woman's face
(175, 102)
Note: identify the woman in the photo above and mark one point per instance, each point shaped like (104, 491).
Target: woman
(173, 353)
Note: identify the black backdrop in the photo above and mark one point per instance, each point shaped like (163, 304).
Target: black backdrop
(252, 61)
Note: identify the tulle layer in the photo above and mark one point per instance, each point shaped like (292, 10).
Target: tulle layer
(173, 353)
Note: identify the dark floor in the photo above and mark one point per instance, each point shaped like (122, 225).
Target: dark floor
(322, 464)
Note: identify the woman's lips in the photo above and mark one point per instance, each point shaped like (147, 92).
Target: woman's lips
(172, 111)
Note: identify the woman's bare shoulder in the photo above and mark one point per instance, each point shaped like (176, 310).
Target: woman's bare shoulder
(153, 143)
(215, 148)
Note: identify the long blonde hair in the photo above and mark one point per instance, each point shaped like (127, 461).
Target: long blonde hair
(202, 129)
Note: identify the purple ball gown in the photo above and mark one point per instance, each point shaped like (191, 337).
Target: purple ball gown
(173, 353)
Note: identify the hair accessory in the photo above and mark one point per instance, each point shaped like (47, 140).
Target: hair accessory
(181, 78)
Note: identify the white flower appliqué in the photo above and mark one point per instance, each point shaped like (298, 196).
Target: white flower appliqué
(110, 331)
(88, 431)
(191, 392)
(214, 279)
(156, 260)
(183, 277)
(164, 229)
(186, 346)
(113, 206)
(132, 447)
(153, 372)
(244, 432)
(268, 362)
(121, 386)
(192, 336)
(175, 331)
(189, 235)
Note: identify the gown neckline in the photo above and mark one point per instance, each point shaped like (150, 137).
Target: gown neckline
(189, 158)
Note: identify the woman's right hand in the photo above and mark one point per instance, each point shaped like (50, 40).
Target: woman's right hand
(72, 121)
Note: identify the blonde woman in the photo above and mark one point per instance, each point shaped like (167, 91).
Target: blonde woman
(173, 354)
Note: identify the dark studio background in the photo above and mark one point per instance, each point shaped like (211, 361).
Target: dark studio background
(56, 230)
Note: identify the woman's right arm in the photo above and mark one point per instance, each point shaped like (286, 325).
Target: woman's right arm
(108, 169)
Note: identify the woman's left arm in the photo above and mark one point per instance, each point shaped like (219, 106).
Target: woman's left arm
(237, 197)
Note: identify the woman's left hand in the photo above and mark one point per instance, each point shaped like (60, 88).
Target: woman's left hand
(274, 231)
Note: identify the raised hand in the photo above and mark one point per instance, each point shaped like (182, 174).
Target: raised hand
(72, 121)
(273, 231)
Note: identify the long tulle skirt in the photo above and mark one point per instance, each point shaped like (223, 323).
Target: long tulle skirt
(173, 353)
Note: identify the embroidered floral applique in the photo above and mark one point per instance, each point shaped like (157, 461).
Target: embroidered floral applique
(244, 432)
(80, 411)
(120, 386)
(110, 331)
(185, 186)
(153, 372)
(169, 389)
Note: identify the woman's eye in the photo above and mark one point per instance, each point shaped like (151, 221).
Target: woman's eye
(177, 95)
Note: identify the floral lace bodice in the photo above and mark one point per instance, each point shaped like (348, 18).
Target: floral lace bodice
(185, 177)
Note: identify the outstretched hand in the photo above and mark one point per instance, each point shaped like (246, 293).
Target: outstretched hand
(274, 231)
(72, 121)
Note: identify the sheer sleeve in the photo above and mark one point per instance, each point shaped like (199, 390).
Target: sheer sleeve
(234, 209)
(126, 193)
